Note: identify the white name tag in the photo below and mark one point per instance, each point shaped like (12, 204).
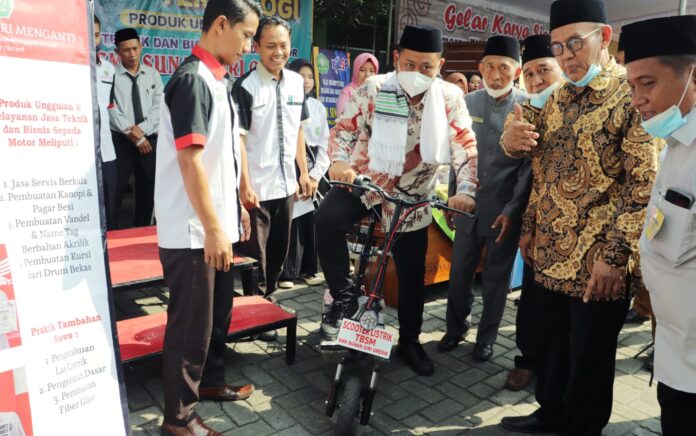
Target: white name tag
(377, 342)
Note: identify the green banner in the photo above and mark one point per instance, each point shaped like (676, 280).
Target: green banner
(170, 28)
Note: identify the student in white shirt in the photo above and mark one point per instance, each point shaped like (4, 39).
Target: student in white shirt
(105, 80)
(199, 215)
(272, 110)
(302, 255)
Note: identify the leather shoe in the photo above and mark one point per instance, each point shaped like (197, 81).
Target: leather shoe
(633, 317)
(527, 424)
(194, 427)
(449, 343)
(226, 393)
(414, 355)
(518, 379)
(483, 352)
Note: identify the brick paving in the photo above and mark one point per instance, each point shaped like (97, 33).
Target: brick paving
(462, 397)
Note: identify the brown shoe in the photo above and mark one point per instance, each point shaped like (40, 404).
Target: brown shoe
(226, 393)
(519, 379)
(195, 427)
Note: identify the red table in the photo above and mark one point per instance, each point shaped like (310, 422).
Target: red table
(134, 259)
(134, 263)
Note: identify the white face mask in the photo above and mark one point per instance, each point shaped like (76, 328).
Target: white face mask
(413, 82)
(497, 93)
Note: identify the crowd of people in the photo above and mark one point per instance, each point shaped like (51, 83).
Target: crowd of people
(589, 171)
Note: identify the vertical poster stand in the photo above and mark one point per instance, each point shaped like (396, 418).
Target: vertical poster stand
(332, 74)
(60, 369)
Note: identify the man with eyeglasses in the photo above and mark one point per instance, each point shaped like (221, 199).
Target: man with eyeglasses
(596, 168)
(542, 76)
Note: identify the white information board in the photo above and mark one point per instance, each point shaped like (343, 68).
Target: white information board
(59, 373)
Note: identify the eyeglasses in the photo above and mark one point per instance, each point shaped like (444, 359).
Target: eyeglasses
(574, 44)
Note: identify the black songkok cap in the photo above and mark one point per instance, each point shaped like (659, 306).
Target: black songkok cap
(622, 44)
(126, 35)
(565, 12)
(424, 39)
(536, 47)
(502, 46)
(660, 37)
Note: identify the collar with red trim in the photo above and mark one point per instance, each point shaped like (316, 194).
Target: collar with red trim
(219, 71)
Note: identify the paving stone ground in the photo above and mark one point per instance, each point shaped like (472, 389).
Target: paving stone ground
(462, 397)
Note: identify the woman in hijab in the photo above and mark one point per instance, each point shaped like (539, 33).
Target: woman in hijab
(365, 65)
(459, 79)
(302, 255)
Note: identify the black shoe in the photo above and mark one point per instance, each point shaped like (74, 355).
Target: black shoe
(449, 343)
(271, 336)
(632, 317)
(482, 352)
(527, 424)
(414, 355)
(330, 321)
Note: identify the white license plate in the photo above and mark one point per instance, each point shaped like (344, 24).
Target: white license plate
(377, 342)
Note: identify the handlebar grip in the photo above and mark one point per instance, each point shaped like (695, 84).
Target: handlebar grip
(443, 206)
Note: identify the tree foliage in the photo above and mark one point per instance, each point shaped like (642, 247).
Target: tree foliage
(349, 20)
(347, 11)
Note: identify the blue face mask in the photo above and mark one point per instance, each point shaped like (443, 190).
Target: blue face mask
(539, 100)
(592, 72)
(664, 124)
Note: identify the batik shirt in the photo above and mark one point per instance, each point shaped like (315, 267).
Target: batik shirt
(593, 171)
(530, 114)
(350, 137)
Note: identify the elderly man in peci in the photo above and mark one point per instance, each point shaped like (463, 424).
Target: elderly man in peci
(501, 198)
(590, 190)
(660, 62)
(398, 128)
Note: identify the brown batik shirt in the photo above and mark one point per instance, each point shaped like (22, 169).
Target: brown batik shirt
(593, 171)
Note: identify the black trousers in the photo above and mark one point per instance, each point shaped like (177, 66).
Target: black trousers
(270, 240)
(302, 254)
(142, 166)
(527, 334)
(677, 410)
(198, 319)
(109, 182)
(577, 356)
(336, 216)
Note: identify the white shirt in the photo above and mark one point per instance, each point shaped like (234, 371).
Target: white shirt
(105, 80)
(10, 425)
(121, 104)
(668, 263)
(197, 110)
(316, 133)
(270, 116)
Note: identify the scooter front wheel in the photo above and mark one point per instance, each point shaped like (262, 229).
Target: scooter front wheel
(349, 407)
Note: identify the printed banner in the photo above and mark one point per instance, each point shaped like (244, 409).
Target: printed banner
(59, 371)
(460, 20)
(332, 72)
(170, 28)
